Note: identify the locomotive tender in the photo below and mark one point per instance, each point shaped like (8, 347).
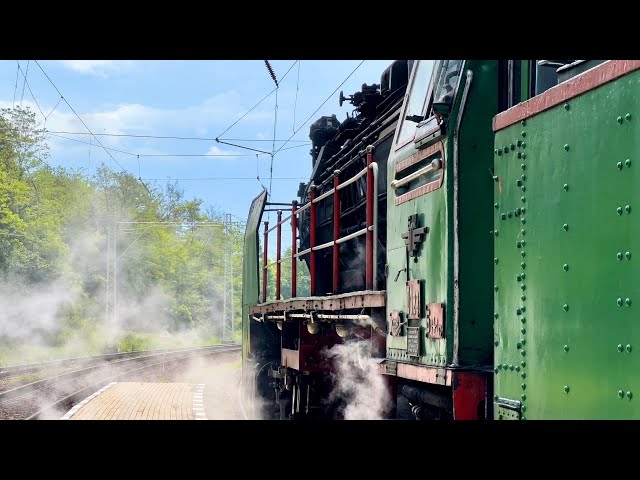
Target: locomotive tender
(472, 225)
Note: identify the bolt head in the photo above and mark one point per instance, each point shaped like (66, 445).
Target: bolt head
(629, 395)
(523, 353)
(495, 205)
(523, 123)
(620, 394)
(517, 368)
(523, 287)
(523, 386)
(627, 208)
(523, 397)
(627, 162)
(495, 287)
(496, 370)
(628, 117)
(523, 220)
(566, 389)
(523, 331)
(523, 320)
(566, 348)
(512, 146)
(619, 256)
(524, 134)
(619, 302)
(523, 298)
(523, 375)
(627, 302)
(524, 155)
(522, 264)
(506, 149)
(565, 227)
(627, 255)
(566, 147)
(495, 398)
(523, 199)
(565, 267)
(523, 253)
(511, 367)
(495, 260)
(523, 166)
(628, 348)
(523, 364)
(496, 343)
(619, 120)
(619, 210)
(619, 165)
(566, 187)
(566, 106)
(519, 155)
(565, 307)
(619, 347)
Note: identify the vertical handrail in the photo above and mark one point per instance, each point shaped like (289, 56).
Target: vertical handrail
(369, 235)
(336, 232)
(294, 248)
(278, 248)
(265, 262)
(312, 240)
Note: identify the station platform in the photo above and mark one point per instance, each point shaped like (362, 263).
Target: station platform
(142, 401)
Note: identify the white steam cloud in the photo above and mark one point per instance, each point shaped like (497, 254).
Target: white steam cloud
(363, 392)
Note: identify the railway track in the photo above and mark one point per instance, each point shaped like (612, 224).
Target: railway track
(49, 396)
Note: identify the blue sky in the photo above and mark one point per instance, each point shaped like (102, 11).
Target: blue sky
(187, 99)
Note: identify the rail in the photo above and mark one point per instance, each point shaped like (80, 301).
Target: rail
(371, 172)
(22, 400)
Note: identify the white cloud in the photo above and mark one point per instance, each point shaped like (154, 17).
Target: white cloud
(97, 67)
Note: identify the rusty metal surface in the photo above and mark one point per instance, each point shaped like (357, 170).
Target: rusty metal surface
(436, 320)
(578, 85)
(414, 300)
(396, 323)
(346, 301)
(421, 373)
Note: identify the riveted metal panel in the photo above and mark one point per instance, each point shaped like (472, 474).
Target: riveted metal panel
(565, 273)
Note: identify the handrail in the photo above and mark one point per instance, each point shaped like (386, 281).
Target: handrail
(371, 170)
(432, 167)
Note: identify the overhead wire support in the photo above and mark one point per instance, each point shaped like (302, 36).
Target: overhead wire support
(271, 72)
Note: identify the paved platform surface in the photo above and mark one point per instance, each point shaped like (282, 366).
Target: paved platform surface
(142, 401)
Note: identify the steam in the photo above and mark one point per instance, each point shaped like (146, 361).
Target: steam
(362, 392)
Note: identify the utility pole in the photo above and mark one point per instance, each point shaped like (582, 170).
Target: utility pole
(110, 293)
(228, 308)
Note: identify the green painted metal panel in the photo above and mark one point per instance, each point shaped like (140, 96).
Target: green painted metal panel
(250, 274)
(435, 261)
(577, 365)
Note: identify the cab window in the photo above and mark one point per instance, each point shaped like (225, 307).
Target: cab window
(417, 97)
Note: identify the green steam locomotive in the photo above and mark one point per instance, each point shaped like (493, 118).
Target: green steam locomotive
(469, 240)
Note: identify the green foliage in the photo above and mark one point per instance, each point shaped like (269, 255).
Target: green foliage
(54, 224)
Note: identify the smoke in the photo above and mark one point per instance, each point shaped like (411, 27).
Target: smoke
(355, 266)
(362, 393)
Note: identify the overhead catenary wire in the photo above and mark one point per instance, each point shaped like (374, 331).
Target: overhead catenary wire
(15, 90)
(169, 137)
(30, 91)
(79, 118)
(321, 105)
(295, 103)
(25, 81)
(163, 154)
